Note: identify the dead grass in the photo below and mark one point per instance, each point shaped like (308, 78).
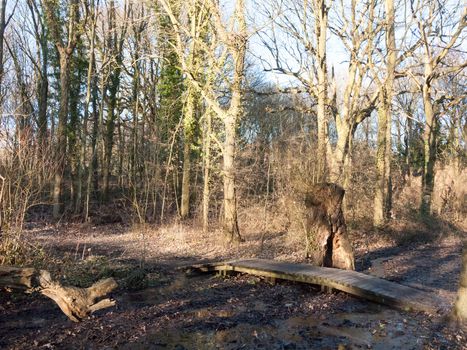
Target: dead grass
(176, 243)
(449, 203)
(270, 229)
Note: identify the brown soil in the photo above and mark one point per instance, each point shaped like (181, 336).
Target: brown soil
(176, 311)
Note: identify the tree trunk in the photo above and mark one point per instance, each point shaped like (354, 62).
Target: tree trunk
(207, 169)
(429, 157)
(188, 130)
(76, 303)
(90, 79)
(60, 151)
(321, 31)
(460, 306)
(383, 189)
(2, 35)
(92, 180)
(108, 143)
(408, 150)
(231, 229)
(379, 211)
(185, 202)
(238, 48)
(43, 90)
(115, 41)
(345, 135)
(65, 51)
(74, 131)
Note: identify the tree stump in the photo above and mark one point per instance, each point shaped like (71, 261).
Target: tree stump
(76, 303)
(326, 220)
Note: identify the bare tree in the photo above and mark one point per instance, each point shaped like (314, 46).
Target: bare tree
(114, 39)
(430, 29)
(198, 18)
(356, 26)
(304, 25)
(230, 40)
(90, 33)
(382, 199)
(65, 50)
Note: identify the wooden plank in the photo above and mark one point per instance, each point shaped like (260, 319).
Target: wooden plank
(352, 282)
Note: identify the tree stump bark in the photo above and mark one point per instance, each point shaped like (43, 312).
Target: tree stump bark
(76, 303)
(326, 220)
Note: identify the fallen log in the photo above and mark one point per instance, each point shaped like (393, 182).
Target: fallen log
(76, 303)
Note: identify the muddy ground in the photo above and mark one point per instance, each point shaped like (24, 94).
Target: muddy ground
(159, 307)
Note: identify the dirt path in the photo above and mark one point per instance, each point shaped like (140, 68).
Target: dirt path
(240, 312)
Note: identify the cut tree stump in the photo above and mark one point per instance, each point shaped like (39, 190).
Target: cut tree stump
(326, 223)
(76, 303)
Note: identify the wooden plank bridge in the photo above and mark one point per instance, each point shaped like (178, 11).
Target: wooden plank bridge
(352, 282)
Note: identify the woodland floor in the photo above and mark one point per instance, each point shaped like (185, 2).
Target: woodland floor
(169, 310)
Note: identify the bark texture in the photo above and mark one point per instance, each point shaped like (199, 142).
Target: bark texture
(383, 190)
(321, 27)
(429, 142)
(231, 118)
(76, 303)
(326, 220)
(2, 32)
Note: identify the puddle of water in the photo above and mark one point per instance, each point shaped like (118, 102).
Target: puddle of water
(370, 326)
(378, 330)
(367, 330)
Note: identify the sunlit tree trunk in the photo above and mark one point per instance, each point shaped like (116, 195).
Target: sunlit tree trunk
(460, 306)
(230, 125)
(75, 129)
(408, 149)
(383, 191)
(2, 35)
(198, 25)
(429, 146)
(207, 169)
(188, 130)
(381, 185)
(321, 12)
(230, 200)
